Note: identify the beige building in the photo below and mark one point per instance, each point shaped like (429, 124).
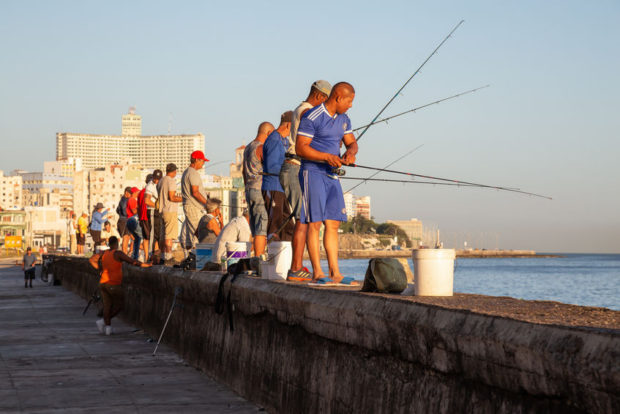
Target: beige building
(41, 189)
(45, 226)
(63, 168)
(412, 227)
(10, 191)
(362, 207)
(151, 151)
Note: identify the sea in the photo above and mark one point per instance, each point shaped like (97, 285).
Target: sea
(579, 279)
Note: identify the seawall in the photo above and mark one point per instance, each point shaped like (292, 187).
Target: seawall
(300, 349)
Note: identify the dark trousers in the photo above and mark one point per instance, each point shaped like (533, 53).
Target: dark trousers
(278, 211)
(113, 301)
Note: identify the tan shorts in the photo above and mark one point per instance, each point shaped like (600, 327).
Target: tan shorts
(171, 223)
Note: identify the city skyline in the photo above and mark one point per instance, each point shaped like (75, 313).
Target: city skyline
(545, 125)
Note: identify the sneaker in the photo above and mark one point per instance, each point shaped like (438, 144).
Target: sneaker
(100, 325)
(108, 330)
(302, 275)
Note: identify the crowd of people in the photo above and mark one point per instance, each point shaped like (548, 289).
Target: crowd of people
(291, 186)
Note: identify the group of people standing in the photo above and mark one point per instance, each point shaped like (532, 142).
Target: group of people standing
(288, 173)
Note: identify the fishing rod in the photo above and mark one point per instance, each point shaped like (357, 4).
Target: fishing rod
(387, 180)
(430, 177)
(408, 80)
(420, 107)
(389, 165)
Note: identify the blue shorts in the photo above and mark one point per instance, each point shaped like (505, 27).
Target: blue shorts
(322, 197)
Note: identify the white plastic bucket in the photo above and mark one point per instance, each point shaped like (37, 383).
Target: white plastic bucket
(236, 251)
(433, 271)
(203, 252)
(279, 260)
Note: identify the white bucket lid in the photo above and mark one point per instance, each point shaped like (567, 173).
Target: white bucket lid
(433, 254)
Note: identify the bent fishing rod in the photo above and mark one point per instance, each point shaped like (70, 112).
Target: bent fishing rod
(430, 177)
(408, 80)
(419, 107)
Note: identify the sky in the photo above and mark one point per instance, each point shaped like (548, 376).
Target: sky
(548, 124)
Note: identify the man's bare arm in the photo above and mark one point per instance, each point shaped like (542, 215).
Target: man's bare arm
(197, 195)
(304, 150)
(122, 257)
(351, 143)
(172, 196)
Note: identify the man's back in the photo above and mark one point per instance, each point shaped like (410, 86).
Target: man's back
(252, 166)
(190, 178)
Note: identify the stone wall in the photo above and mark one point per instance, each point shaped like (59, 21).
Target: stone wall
(297, 349)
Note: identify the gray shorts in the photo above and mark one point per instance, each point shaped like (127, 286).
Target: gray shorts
(289, 180)
(258, 212)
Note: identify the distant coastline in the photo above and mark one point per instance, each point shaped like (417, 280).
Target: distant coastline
(460, 253)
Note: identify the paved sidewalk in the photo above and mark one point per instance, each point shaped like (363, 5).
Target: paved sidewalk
(53, 359)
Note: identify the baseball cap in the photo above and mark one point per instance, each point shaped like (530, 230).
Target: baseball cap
(134, 190)
(322, 86)
(199, 155)
(171, 167)
(157, 174)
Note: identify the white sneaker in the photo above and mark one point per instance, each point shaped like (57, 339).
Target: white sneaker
(100, 325)
(108, 330)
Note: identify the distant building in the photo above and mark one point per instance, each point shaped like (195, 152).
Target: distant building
(41, 189)
(131, 124)
(45, 226)
(10, 191)
(63, 168)
(153, 151)
(362, 207)
(236, 167)
(412, 227)
(349, 205)
(12, 223)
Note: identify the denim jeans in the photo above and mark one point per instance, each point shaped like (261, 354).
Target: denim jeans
(134, 229)
(289, 180)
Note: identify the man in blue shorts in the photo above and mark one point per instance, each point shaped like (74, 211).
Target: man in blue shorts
(320, 133)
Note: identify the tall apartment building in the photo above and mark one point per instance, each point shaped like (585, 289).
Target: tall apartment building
(362, 207)
(10, 191)
(63, 168)
(151, 151)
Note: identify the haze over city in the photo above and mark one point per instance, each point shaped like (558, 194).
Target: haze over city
(547, 123)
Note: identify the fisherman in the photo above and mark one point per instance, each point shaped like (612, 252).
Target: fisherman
(96, 225)
(133, 226)
(194, 200)
(121, 224)
(321, 132)
(252, 178)
(210, 224)
(151, 228)
(168, 208)
(110, 282)
(237, 230)
(278, 209)
(289, 178)
(109, 231)
(82, 228)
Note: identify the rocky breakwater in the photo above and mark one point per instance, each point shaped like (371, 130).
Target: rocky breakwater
(295, 348)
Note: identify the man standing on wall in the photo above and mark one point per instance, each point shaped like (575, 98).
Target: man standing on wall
(121, 224)
(168, 208)
(82, 228)
(194, 200)
(252, 178)
(289, 177)
(320, 133)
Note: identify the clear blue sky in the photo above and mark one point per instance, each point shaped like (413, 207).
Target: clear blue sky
(549, 124)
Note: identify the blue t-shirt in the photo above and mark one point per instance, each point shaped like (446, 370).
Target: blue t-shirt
(274, 148)
(326, 133)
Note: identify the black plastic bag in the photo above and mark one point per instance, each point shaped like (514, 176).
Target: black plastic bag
(385, 275)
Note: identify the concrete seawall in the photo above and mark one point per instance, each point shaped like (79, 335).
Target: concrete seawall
(300, 349)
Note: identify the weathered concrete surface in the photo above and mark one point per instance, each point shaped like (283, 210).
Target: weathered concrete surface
(53, 359)
(301, 349)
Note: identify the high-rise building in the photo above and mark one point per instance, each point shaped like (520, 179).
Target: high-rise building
(349, 204)
(362, 207)
(152, 151)
(41, 189)
(10, 191)
(131, 124)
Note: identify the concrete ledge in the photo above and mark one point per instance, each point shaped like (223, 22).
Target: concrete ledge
(301, 349)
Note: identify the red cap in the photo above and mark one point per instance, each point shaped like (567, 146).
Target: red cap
(134, 190)
(199, 155)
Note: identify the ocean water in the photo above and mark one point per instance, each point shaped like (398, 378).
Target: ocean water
(580, 279)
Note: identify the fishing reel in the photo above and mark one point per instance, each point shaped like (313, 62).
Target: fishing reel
(339, 172)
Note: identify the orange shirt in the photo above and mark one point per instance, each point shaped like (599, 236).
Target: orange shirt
(112, 269)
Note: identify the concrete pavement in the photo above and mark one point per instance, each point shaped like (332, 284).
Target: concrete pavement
(53, 359)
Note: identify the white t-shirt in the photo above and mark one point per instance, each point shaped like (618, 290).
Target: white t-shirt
(151, 189)
(295, 125)
(237, 230)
